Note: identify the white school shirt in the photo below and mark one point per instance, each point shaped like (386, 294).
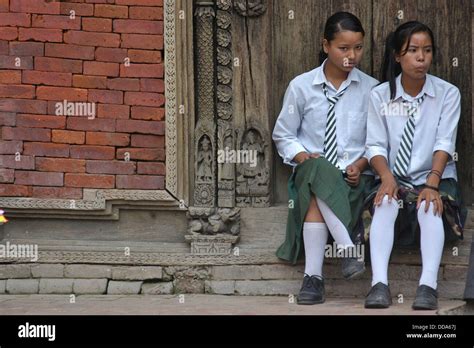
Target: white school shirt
(436, 124)
(301, 125)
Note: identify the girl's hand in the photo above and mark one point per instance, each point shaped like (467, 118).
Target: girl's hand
(389, 187)
(430, 196)
(353, 175)
(303, 156)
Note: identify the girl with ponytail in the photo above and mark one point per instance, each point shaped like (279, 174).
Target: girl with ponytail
(411, 136)
(321, 133)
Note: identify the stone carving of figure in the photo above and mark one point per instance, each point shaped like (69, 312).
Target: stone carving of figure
(204, 161)
(257, 151)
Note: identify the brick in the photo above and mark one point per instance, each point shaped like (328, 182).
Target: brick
(7, 190)
(137, 273)
(55, 286)
(152, 85)
(3, 47)
(92, 38)
(26, 48)
(15, 271)
(144, 56)
(144, 99)
(16, 63)
(140, 2)
(90, 181)
(107, 97)
(37, 6)
(17, 91)
(147, 42)
(7, 175)
(142, 70)
(84, 81)
(79, 9)
(87, 271)
(68, 137)
(80, 123)
(10, 77)
(15, 19)
(17, 162)
(138, 26)
(4, 5)
(60, 165)
(40, 34)
(8, 34)
(138, 126)
(10, 147)
(110, 167)
(106, 54)
(150, 13)
(111, 11)
(124, 288)
(46, 149)
(122, 84)
(23, 105)
(144, 154)
(90, 286)
(103, 138)
(39, 178)
(47, 78)
(22, 286)
(57, 192)
(31, 134)
(148, 141)
(47, 271)
(151, 168)
(41, 121)
(7, 119)
(159, 288)
(58, 64)
(101, 69)
(69, 51)
(113, 111)
(55, 22)
(61, 93)
(92, 152)
(97, 24)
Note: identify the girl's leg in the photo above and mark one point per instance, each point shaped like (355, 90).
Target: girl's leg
(315, 236)
(431, 243)
(336, 227)
(381, 239)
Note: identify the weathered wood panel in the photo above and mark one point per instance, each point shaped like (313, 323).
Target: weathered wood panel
(298, 28)
(451, 25)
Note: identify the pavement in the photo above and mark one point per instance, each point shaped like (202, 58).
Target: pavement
(197, 304)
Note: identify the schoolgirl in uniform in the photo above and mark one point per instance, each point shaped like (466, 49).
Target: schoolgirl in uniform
(321, 132)
(411, 136)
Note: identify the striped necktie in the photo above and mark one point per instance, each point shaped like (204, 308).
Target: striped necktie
(330, 139)
(404, 152)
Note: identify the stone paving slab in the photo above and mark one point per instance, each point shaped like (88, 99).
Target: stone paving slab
(195, 304)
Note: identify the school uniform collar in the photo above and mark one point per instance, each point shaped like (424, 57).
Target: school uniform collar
(428, 89)
(320, 78)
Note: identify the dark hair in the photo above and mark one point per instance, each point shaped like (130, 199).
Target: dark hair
(340, 21)
(394, 44)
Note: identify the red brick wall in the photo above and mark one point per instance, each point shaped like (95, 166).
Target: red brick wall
(47, 57)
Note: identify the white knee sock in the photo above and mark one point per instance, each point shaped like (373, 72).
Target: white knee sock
(315, 236)
(336, 227)
(381, 239)
(431, 243)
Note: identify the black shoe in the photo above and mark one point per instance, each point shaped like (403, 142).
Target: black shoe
(426, 298)
(378, 297)
(352, 267)
(312, 291)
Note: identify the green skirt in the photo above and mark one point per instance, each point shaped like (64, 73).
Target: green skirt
(316, 176)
